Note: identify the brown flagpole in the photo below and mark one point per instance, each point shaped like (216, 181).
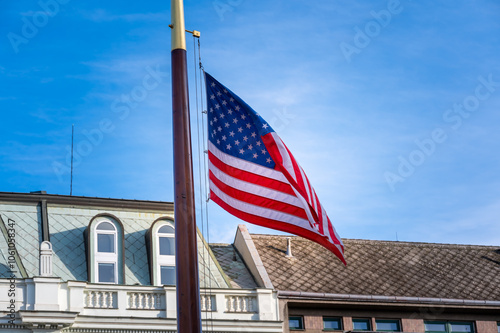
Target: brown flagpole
(186, 251)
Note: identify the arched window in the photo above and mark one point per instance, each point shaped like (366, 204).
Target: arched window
(166, 254)
(106, 253)
(105, 246)
(162, 252)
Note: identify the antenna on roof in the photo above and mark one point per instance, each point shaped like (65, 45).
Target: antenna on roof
(72, 140)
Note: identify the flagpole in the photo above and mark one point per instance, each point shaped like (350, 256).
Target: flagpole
(187, 279)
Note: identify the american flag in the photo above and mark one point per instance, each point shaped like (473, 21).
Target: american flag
(254, 176)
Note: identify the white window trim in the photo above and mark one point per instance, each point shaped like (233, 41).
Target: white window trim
(105, 257)
(163, 260)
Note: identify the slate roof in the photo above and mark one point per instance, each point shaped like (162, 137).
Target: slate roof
(385, 268)
(68, 217)
(25, 219)
(234, 267)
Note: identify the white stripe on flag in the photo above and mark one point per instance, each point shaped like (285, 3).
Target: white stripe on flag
(337, 237)
(287, 163)
(260, 211)
(326, 230)
(254, 188)
(245, 165)
(307, 209)
(310, 198)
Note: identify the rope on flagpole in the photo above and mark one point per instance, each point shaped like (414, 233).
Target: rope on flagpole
(204, 113)
(205, 160)
(202, 172)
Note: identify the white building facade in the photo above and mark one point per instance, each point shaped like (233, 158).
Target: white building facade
(92, 265)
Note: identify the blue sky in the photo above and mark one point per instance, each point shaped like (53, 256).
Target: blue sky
(391, 107)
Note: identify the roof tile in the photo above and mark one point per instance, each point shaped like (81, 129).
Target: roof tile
(384, 268)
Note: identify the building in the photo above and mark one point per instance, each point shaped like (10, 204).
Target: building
(386, 286)
(94, 265)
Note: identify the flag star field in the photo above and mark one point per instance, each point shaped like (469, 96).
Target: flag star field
(235, 128)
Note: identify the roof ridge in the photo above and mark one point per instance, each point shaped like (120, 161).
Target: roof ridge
(408, 243)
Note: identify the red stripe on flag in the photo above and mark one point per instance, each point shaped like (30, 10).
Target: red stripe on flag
(320, 224)
(298, 175)
(311, 191)
(278, 225)
(273, 149)
(250, 177)
(257, 200)
(332, 233)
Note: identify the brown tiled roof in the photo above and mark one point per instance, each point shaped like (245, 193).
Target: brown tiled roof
(234, 267)
(384, 268)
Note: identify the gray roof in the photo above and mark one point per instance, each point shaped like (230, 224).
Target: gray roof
(233, 265)
(68, 217)
(384, 268)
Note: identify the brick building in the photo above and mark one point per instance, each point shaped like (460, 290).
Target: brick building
(386, 286)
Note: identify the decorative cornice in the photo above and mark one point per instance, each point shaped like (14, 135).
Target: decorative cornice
(86, 201)
(47, 319)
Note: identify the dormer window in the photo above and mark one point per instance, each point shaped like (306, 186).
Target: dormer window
(161, 240)
(105, 246)
(106, 256)
(166, 254)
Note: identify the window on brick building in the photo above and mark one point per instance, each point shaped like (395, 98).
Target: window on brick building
(332, 324)
(296, 323)
(361, 324)
(388, 325)
(449, 327)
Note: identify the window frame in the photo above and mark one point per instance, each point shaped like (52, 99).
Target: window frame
(98, 270)
(94, 257)
(157, 260)
(368, 320)
(164, 260)
(397, 321)
(331, 319)
(301, 321)
(447, 324)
